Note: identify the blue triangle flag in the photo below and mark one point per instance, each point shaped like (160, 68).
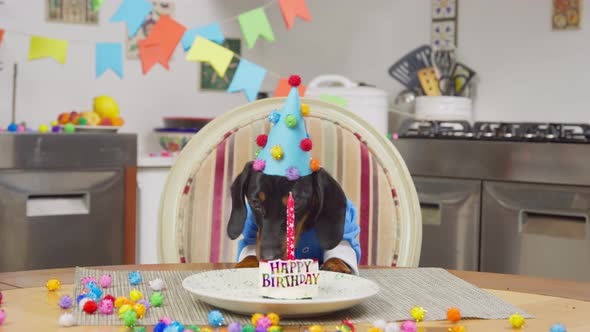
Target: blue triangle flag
(134, 13)
(109, 56)
(248, 77)
(212, 32)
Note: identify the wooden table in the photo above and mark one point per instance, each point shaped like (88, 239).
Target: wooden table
(29, 307)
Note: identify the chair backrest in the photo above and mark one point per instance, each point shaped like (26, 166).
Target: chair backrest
(196, 202)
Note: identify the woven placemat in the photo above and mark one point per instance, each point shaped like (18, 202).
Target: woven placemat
(401, 289)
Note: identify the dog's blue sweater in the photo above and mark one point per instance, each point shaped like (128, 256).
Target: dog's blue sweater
(308, 246)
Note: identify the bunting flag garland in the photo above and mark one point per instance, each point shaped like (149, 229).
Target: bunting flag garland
(292, 9)
(255, 23)
(248, 77)
(212, 32)
(41, 47)
(109, 56)
(1, 35)
(283, 88)
(166, 34)
(96, 4)
(217, 56)
(133, 12)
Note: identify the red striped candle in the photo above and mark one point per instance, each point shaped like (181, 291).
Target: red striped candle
(290, 227)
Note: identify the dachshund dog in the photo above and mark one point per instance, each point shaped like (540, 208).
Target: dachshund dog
(320, 205)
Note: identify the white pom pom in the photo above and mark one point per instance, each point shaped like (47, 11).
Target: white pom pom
(380, 324)
(391, 327)
(157, 284)
(67, 319)
(82, 303)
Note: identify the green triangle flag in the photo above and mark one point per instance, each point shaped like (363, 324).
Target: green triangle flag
(254, 23)
(96, 4)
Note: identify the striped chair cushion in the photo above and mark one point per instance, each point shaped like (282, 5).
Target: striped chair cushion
(206, 202)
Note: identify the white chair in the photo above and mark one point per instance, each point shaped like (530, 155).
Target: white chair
(196, 204)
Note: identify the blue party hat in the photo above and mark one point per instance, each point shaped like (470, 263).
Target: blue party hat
(285, 151)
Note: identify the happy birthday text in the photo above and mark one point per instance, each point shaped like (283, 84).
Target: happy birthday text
(285, 274)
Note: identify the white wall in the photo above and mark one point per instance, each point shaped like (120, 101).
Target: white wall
(46, 88)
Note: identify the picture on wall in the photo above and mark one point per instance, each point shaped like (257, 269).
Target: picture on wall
(71, 11)
(444, 35)
(566, 14)
(161, 7)
(210, 80)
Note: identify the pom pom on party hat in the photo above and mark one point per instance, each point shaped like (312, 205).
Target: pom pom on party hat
(285, 151)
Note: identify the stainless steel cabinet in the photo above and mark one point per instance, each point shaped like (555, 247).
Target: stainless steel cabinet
(451, 219)
(534, 229)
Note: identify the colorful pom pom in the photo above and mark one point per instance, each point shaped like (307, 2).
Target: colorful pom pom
(306, 144)
(374, 329)
(160, 327)
(139, 309)
(557, 328)
(80, 297)
(124, 308)
(105, 307)
(234, 327)
(256, 317)
(66, 319)
(157, 284)
(264, 322)
(145, 303)
(304, 109)
(315, 328)
(53, 285)
(392, 327)
(166, 320)
(248, 328)
(261, 140)
(418, 313)
(90, 307)
(458, 328)
(65, 302)
(2, 316)
(86, 280)
(276, 152)
(0, 297)
(174, 327)
(516, 320)
(292, 173)
(257, 152)
(206, 329)
(109, 297)
(261, 329)
(105, 280)
(129, 318)
(135, 295)
(259, 165)
(120, 301)
(156, 299)
(291, 121)
(380, 324)
(294, 81)
(408, 326)
(92, 296)
(134, 278)
(215, 318)
(314, 164)
(453, 315)
(275, 329)
(274, 117)
(193, 328)
(139, 329)
(274, 318)
(348, 323)
(82, 303)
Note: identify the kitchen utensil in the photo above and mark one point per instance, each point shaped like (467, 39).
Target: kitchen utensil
(174, 139)
(405, 70)
(429, 82)
(186, 122)
(462, 76)
(444, 63)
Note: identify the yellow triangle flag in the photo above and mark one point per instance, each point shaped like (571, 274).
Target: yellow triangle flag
(216, 55)
(41, 47)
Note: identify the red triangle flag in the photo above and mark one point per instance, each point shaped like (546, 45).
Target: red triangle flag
(1, 35)
(292, 9)
(151, 53)
(283, 88)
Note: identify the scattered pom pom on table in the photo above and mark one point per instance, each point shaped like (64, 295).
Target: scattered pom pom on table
(82, 302)
(392, 327)
(259, 165)
(166, 320)
(261, 329)
(206, 329)
(275, 328)
(315, 328)
(193, 328)
(67, 319)
(109, 297)
(516, 320)
(304, 109)
(129, 318)
(264, 322)
(139, 329)
(65, 302)
(215, 318)
(274, 318)
(294, 80)
(86, 280)
(458, 328)
(234, 327)
(408, 326)
(135, 295)
(105, 280)
(374, 329)
(157, 299)
(105, 307)
(248, 328)
(261, 140)
(453, 315)
(0, 297)
(418, 313)
(174, 327)
(157, 284)
(145, 303)
(134, 278)
(139, 309)
(124, 308)
(53, 285)
(2, 316)
(90, 307)
(557, 328)
(380, 324)
(160, 327)
(349, 323)
(120, 301)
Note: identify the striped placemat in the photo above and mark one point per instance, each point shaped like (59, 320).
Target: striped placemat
(401, 289)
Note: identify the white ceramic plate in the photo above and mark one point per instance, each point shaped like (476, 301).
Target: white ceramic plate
(236, 290)
(101, 129)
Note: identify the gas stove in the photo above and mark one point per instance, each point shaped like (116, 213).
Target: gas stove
(499, 131)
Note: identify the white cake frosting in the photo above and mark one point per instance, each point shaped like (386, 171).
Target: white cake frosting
(292, 279)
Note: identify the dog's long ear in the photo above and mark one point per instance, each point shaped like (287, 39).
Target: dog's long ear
(331, 210)
(238, 209)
